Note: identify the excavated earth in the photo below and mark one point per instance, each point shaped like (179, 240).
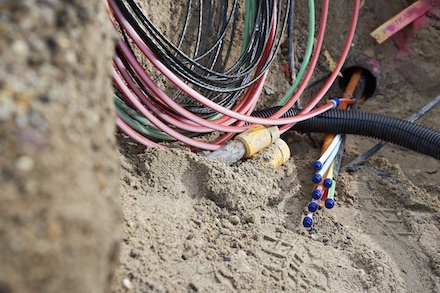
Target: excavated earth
(72, 195)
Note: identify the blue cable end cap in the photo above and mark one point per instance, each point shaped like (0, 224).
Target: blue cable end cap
(316, 194)
(317, 165)
(307, 222)
(313, 207)
(317, 178)
(336, 101)
(329, 203)
(328, 182)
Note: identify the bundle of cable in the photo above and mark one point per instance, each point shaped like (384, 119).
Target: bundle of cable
(200, 88)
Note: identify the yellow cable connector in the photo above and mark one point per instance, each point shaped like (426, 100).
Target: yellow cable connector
(257, 138)
(275, 155)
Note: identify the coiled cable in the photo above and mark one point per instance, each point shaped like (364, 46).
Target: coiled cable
(169, 114)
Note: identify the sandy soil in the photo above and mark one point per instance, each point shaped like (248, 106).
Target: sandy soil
(59, 201)
(193, 225)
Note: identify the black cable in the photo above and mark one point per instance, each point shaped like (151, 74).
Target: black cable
(208, 68)
(291, 40)
(162, 47)
(410, 135)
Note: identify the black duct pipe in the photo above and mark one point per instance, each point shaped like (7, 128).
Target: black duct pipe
(410, 135)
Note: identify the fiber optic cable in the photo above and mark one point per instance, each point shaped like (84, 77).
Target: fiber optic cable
(330, 202)
(318, 176)
(333, 147)
(327, 151)
(318, 191)
(308, 220)
(328, 180)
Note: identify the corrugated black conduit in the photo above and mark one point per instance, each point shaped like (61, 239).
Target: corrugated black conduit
(410, 135)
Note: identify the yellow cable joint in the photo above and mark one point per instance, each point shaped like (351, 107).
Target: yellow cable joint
(257, 138)
(275, 155)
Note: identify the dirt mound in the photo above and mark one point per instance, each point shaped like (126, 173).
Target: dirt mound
(59, 204)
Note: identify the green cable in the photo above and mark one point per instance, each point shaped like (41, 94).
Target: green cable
(131, 112)
(249, 23)
(307, 56)
(139, 123)
(142, 124)
(331, 191)
(246, 26)
(142, 129)
(253, 13)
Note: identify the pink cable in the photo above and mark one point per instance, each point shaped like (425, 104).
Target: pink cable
(159, 94)
(153, 119)
(239, 115)
(200, 98)
(250, 99)
(340, 62)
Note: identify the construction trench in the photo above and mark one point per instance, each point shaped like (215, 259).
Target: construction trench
(127, 158)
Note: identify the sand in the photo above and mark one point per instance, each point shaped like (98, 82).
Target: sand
(194, 225)
(75, 191)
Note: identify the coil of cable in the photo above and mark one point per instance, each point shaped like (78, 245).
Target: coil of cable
(203, 88)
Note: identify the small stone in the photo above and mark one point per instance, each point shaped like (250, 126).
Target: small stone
(25, 163)
(225, 231)
(189, 252)
(226, 258)
(324, 239)
(226, 224)
(274, 276)
(234, 220)
(6, 109)
(45, 98)
(305, 210)
(134, 254)
(369, 53)
(241, 254)
(198, 223)
(239, 244)
(250, 218)
(20, 47)
(268, 91)
(242, 264)
(419, 220)
(126, 283)
(193, 288)
(279, 230)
